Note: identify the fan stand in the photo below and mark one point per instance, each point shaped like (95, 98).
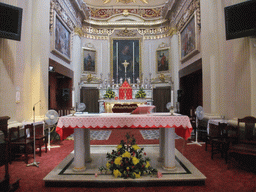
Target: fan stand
(196, 142)
(49, 140)
(34, 134)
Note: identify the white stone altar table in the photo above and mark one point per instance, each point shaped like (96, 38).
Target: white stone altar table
(82, 124)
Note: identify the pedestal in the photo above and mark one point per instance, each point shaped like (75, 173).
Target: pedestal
(169, 155)
(79, 150)
(161, 144)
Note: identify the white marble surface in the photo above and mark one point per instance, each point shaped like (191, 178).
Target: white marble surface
(98, 155)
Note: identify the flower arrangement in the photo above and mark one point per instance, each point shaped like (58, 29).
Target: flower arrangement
(140, 94)
(109, 94)
(128, 161)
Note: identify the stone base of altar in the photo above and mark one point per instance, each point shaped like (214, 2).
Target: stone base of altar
(185, 173)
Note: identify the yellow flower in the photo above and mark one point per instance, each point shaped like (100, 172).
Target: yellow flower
(119, 146)
(117, 173)
(147, 164)
(135, 147)
(108, 165)
(137, 175)
(135, 160)
(126, 154)
(118, 160)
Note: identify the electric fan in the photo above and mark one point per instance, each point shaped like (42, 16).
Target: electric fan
(199, 116)
(170, 107)
(51, 118)
(81, 107)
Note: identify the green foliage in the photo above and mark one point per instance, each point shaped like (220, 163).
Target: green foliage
(140, 94)
(109, 94)
(128, 161)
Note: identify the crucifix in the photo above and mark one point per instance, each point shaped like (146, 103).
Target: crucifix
(125, 63)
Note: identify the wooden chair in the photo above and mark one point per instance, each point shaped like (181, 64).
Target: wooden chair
(40, 137)
(246, 144)
(19, 143)
(214, 132)
(221, 143)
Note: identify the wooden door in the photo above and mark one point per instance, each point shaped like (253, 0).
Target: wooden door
(161, 96)
(90, 96)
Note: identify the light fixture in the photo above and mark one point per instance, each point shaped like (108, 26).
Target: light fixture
(51, 69)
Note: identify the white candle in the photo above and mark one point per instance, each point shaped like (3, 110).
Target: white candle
(101, 56)
(149, 57)
(172, 102)
(117, 60)
(133, 58)
(73, 98)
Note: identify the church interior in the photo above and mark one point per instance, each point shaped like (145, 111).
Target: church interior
(186, 58)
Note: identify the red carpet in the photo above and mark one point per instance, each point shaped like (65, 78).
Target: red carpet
(219, 178)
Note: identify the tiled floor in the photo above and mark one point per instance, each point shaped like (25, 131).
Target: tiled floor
(95, 135)
(63, 175)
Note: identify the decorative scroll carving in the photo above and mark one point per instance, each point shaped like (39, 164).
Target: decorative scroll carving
(89, 45)
(126, 33)
(162, 79)
(89, 78)
(125, 1)
(78, 31)
(143, 12)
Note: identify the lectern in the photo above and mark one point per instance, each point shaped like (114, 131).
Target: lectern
(5, 183)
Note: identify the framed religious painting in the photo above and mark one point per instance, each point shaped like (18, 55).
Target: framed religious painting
(61, 39)
(125, 60)
(163, 60)
(89, 60)
(188, 39)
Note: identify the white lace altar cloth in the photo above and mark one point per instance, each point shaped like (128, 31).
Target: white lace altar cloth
(181, 123)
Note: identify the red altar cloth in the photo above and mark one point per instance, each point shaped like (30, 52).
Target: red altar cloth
(67, 124)
(125, 89)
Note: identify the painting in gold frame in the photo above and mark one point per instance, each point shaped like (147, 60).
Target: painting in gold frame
(61, 38)
(125, 49)
(89, 64)
(163, 60)
(188, 39)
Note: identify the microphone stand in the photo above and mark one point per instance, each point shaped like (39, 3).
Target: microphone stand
(34, 135)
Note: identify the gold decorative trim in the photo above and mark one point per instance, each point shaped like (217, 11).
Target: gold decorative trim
(89, 79)
(125, 1)
(79, 169)
(111, 53)
(162, 79)
(193, 7)
(125, 12)
(78, 31)
(126, 33)
(106, 13)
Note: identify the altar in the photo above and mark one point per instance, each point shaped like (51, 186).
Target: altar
(125, 94)
(82, 124)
